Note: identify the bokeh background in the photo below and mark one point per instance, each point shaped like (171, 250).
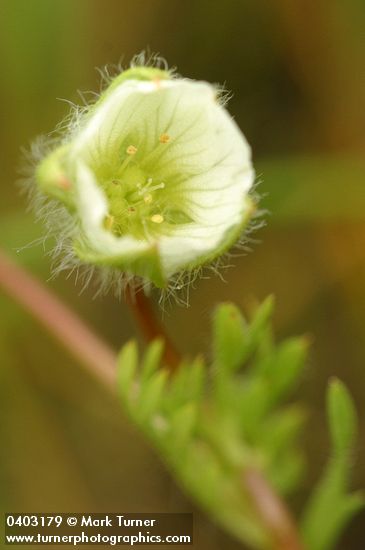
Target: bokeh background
(297, 71)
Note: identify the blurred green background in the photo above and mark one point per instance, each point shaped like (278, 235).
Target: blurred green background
(298, 75)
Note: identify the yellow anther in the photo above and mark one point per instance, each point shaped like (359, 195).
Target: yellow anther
(164, 138)
(131, 150)
(147, 198)
(157, 218)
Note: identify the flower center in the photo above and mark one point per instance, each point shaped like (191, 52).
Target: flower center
(140, 203)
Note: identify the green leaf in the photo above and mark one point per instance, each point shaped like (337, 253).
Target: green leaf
(151, 359)
(151, 396)
(229, 336)
(287, 471)
(281, 429)
(257, 332)
(195, 379)
(187, 384)
(127, 365)
(253, 407)
(183, 422)
(287, 366)
(330, 508)
(234, 341)
(202, 483)
(341, 416)
(209, 426)
(223, 435)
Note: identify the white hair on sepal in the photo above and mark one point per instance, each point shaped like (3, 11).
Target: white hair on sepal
(149, 59)
(223, 95)
(145, 58)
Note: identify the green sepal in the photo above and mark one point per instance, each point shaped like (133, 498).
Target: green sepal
(134, 73)
(52, 178)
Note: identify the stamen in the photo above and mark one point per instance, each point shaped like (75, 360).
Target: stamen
(164, 138)
(147, 198)
(131, 150)
(157, 218)
(155, 187)
(147, 187)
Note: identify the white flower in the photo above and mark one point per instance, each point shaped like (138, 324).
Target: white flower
(156, 175)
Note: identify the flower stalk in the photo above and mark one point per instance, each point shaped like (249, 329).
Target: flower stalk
(150, 328)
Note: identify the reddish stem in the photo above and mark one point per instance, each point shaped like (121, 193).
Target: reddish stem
(58, 319)
(150, 327)
(272, 511)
